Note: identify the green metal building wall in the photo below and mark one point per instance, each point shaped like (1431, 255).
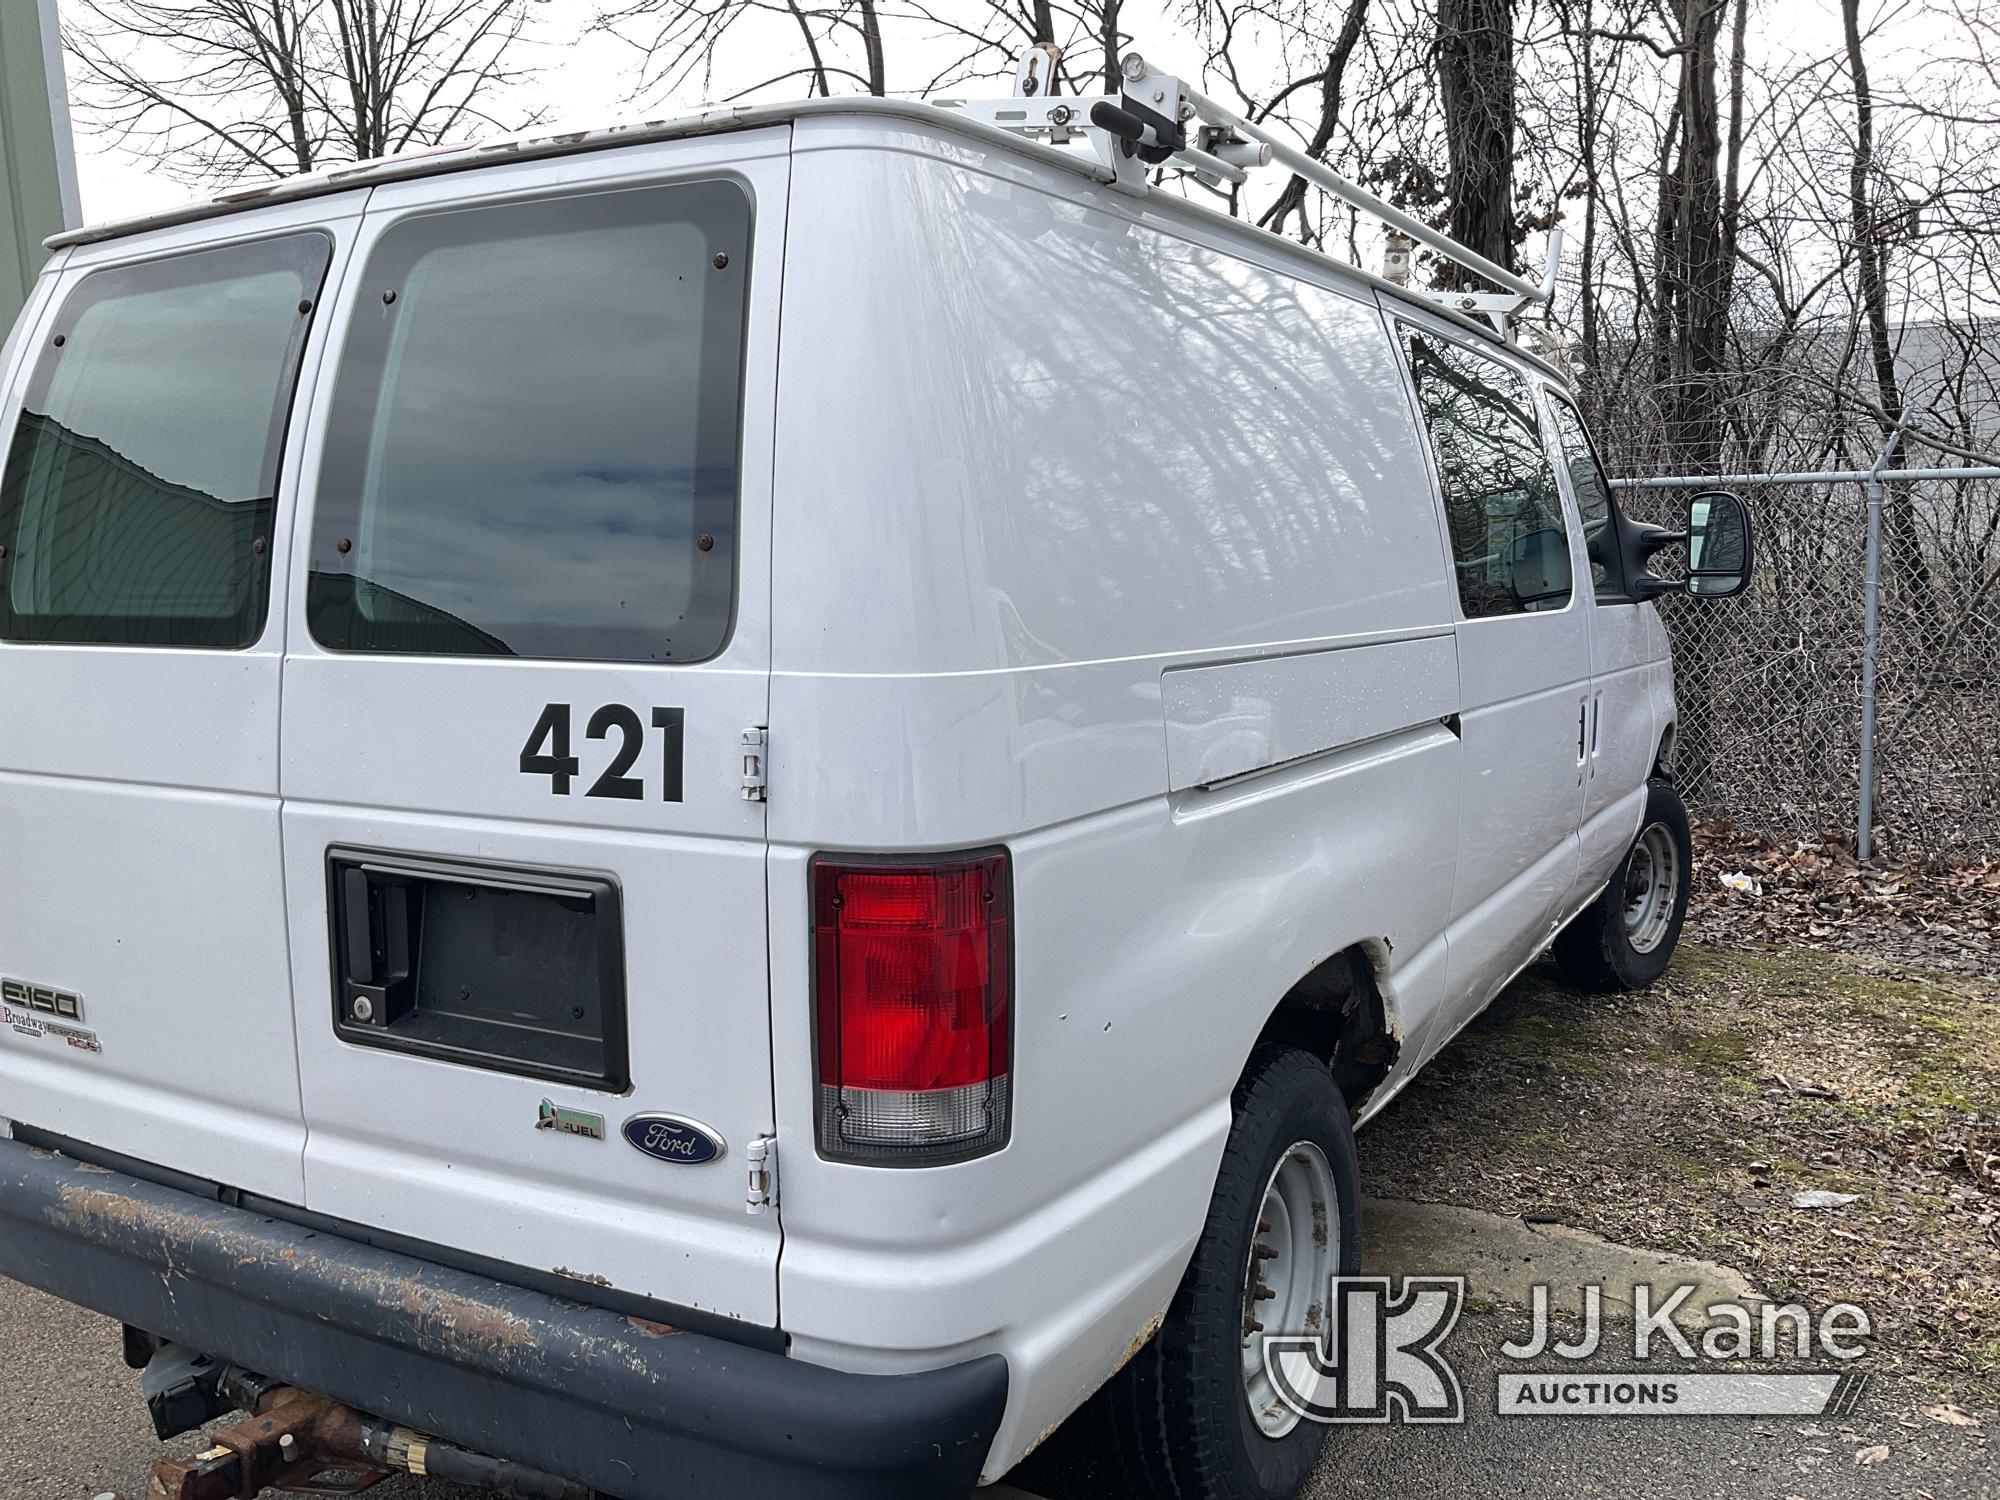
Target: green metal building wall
(37, 167)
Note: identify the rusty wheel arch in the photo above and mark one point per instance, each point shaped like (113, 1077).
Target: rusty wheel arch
(1337, 1012)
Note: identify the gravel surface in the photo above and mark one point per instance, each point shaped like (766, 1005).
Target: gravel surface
(72, 1425)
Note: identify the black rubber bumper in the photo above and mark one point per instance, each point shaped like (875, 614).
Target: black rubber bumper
(631, 1408)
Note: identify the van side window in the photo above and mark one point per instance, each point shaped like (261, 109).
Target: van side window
(532, 445)
(1593, 498)
(136, 502)
(1500, 501)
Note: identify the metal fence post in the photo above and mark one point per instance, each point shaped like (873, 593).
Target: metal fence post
(1871, 632)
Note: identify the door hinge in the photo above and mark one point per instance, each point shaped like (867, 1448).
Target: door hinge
(754, 741)
(762, 1156)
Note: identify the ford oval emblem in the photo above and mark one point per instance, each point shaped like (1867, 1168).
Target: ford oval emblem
(670, 1138)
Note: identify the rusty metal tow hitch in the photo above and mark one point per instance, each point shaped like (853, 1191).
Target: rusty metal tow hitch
(294, 1441)
(311, 1445)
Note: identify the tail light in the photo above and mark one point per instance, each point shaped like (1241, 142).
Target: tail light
(913, 980)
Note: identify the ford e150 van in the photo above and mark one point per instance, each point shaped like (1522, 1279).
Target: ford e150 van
(734, 807)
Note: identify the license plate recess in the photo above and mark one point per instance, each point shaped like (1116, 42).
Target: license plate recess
(510, 970)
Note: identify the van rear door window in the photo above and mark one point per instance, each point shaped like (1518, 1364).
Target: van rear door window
(136, 502)
(532, 449)
(1507, 536)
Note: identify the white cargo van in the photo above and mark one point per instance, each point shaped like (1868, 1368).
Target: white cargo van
(735, 806)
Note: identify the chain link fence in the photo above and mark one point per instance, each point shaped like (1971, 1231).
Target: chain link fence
(1770, 682)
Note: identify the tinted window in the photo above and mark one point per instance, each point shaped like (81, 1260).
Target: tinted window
(136, 502)
(1506, 522)
(1593, 497)
(533, 442)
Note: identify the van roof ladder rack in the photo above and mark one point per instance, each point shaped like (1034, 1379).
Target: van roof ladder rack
(1156, 119)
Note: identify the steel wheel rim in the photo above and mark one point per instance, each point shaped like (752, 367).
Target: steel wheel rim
(1652, 883)
(1293, 1257)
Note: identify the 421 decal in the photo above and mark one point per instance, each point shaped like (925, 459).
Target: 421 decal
(547, 752)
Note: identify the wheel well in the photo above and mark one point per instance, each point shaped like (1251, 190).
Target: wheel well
(1336, 1012)
(1663, 763)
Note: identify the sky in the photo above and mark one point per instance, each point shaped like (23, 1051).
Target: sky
(587, 78)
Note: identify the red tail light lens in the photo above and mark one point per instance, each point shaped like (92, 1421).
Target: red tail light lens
(914, 983)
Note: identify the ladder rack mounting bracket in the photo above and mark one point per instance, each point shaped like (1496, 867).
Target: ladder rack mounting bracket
(1157, 121)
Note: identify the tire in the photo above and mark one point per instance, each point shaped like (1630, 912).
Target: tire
(1180, 1412)
(1623, 942)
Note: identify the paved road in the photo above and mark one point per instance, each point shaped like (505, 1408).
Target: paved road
(71, 1422)
(71, 1428)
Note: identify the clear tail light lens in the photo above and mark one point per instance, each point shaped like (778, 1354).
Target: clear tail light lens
(913, 981)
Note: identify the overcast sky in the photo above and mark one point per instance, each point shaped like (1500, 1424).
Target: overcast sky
(587, 78)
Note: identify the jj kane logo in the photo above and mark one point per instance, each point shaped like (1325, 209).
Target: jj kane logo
(1380, 1357)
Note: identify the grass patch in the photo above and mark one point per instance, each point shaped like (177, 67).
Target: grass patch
(1710, 1052)
(1681, 1164)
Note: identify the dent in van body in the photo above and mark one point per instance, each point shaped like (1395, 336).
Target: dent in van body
(1096, 445)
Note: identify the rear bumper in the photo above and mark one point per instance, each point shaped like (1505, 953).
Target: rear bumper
(631, 1408)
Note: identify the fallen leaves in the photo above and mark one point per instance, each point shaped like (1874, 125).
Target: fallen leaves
(1978, 1156)
(1868, 1457)
(1760, 891)
(1951, 1416)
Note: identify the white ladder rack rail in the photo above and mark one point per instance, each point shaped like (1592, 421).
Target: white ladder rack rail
(1157, 119)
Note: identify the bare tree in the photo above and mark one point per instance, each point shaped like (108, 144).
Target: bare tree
(1332, 76)
(221, 90)
(1694, 267)
(684, 46)
(1475, 51)
(1872, 236)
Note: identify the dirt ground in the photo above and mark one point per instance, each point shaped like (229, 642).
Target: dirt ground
(1685, 1118)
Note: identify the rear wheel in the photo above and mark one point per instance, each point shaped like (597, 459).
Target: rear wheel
(1624, 939)
(1194, 1413)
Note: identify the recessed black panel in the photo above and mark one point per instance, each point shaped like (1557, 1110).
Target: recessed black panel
(516, 971)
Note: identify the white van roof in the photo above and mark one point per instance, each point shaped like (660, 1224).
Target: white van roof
(528, 146)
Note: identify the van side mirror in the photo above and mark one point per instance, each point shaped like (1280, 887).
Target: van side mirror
(1720, 550)
(1720, 546)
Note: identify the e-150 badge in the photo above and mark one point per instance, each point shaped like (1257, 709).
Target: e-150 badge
(41, 1012)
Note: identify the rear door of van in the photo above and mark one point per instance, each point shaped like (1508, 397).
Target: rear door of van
(151, 431)
(529, 613)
